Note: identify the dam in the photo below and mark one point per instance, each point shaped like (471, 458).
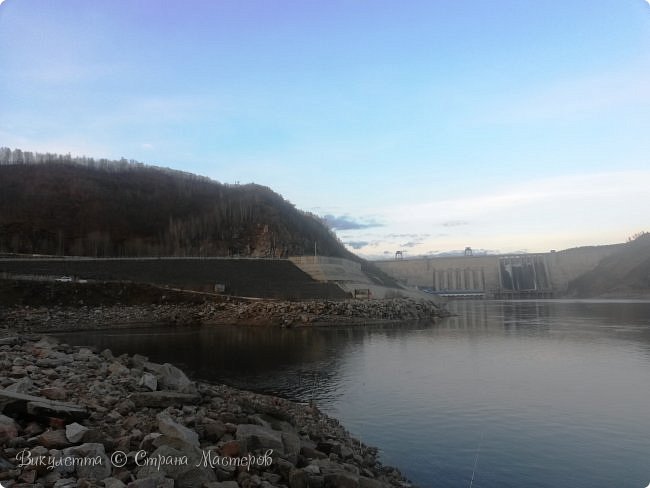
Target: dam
(539, 275)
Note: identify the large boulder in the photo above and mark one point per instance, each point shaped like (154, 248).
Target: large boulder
(170, 377)
(252, 437)
(149, 381)
(170, 428)
(53, 439)
(341, 479)
(87, 460)
(74, 432)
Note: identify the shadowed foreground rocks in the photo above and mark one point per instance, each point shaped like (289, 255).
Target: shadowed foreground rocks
(70, 417)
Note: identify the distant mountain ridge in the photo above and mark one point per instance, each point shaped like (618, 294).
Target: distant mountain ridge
(626, 273)
(54, 204)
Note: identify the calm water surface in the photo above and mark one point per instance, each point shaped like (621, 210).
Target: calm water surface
(534, 393)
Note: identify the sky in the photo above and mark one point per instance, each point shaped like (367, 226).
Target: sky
(419, 126)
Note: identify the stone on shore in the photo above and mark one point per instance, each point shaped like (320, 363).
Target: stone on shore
(167, 426)
(23, 385)
(149, 381)
(169, 432)
(170, 377)
(74, 432)
(184, 466)
(53, 439)
(8, 429)
(96, 464)
(163, 399)
(252, 437)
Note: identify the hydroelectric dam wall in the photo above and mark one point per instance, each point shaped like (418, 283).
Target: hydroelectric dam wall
(541, 275)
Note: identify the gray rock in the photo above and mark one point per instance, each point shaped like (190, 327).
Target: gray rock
(170, 428)
(163, 399)
(40, 406)
(23, 385)
(311, 469)
(92, 461)
(8, 429)
(9, 341)
(180, 465)
(53, 439)
(149, 381)
(298, 479)
(118, 368)
(74, 432)
(148, 440)
(312, 453)
(365, 482)
(169, 376)
(125, 407)
(196, 476)
(54, 393)
(46, 342)
(341, 479)
(66, 483)
(84, 353)
(113, 483)
(213, 431)
(316, 481)
(291, 443)
(152, 482)
(139, 361)
(107, 354)
(346, 452)
(253, 437)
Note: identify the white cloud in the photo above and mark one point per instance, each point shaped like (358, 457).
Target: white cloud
(543, 214)
(582, 190)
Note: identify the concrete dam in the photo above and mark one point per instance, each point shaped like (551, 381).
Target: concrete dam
(542, 275)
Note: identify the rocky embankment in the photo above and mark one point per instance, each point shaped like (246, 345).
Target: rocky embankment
(262, 312)
(70, 417)
(322, 312)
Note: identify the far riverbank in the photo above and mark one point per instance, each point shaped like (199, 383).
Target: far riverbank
(28, 306)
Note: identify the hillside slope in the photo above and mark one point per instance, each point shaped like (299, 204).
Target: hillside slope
(626, 273)
(63, 206)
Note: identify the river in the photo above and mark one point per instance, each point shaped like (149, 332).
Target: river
(547, 393)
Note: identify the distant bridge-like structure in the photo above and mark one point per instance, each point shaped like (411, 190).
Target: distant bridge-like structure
(540, 275)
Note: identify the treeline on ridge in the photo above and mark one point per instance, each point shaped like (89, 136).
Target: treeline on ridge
(63, 205)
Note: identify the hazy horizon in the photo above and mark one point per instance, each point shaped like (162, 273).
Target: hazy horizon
(424, 127)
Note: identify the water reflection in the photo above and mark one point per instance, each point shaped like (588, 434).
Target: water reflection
(301, 364)
(556, 392)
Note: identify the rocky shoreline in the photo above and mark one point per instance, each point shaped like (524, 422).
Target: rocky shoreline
(26, 319)
(70, 417)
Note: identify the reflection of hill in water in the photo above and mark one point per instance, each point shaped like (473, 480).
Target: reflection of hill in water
(300, 364)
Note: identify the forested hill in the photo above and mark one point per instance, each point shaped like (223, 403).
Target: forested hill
(51, 204)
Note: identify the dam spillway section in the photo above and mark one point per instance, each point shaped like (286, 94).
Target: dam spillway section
(497, 276)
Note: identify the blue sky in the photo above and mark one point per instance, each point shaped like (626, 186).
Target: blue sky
(422, 126)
